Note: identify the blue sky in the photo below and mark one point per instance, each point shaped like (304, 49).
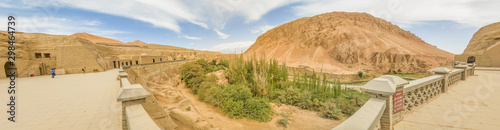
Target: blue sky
(233, 25)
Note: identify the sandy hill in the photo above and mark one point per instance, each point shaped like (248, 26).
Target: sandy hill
(345, 43)
(483, 39)
(95, 39)
(137, 42)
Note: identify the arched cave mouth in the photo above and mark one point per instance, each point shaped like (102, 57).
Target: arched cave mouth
(471, 59)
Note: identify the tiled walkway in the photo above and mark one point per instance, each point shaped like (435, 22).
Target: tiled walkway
(471, 104)
(75, 101)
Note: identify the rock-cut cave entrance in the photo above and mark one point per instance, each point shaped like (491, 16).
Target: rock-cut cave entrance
(471, 59)
(10, 68)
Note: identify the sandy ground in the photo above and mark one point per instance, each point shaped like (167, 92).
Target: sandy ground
(75, 101)
(470, 104)
(299, 119)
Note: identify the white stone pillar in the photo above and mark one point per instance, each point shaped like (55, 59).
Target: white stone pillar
(384, 88)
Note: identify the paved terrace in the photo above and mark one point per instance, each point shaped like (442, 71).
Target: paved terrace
(470, 104)
(75, 101)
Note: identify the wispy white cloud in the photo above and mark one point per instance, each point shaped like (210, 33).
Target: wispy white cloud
(92, 23)
(189, 37)
(221, 35)
(214, 14)
(475, 13)
(262, 29)
(60, 26)
(5, 5)
(209, 14)
(233, 47)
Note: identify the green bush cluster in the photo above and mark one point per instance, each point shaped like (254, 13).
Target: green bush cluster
(255, 83)
(360, 74)
(283, 122)
(195, 73)
(235, 100)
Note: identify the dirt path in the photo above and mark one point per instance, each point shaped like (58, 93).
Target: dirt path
(298, 119)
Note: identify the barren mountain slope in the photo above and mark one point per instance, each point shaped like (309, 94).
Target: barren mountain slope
(484, 38)
(95, 39)
(137, 42)
(345, 43)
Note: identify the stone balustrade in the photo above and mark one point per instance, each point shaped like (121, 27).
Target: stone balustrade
(391, 97)
(422, 90)
(455, 76)
(160, 62)
(134, 116)
(368, 117)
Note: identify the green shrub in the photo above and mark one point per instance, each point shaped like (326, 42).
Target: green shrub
(330, 110)
(283, 122)
(224, 63)
(194, 83)
(252, 83)
(208, 82)
(236, 101)
(360, 74)
(351, 101)
(192, 74)
(291, 96)
(305, 101)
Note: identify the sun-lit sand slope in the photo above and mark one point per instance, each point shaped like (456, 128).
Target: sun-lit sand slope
(486, 37)
(96, 39)
(341, 42)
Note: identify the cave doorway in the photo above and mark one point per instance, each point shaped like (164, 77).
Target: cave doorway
(10, 68)
(471, 59)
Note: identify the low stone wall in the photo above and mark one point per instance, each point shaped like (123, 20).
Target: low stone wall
(368, 117)
(128, 66)
(422, 90)
(134, 116)
(400, 96)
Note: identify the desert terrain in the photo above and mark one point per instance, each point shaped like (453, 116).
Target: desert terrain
(337, 43)
(182, 109)
(345, 43)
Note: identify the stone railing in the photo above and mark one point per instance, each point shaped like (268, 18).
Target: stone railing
(398, 96)
(368, 117)
(160, 62)
(422, 90)
(454, 76)
(134, 116)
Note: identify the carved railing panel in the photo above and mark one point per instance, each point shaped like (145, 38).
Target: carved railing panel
(422, 91)
(455, 76)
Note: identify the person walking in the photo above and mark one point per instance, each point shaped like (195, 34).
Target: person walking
(53, 72)
(83, 69)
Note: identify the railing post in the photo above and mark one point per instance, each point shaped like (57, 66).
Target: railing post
(471, 66)
(130, 95)
(464, 67)
(121, 74)
(446, 73)
(389, 88)
(398, 97)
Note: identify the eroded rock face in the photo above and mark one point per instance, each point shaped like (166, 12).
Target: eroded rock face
(344, 43)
